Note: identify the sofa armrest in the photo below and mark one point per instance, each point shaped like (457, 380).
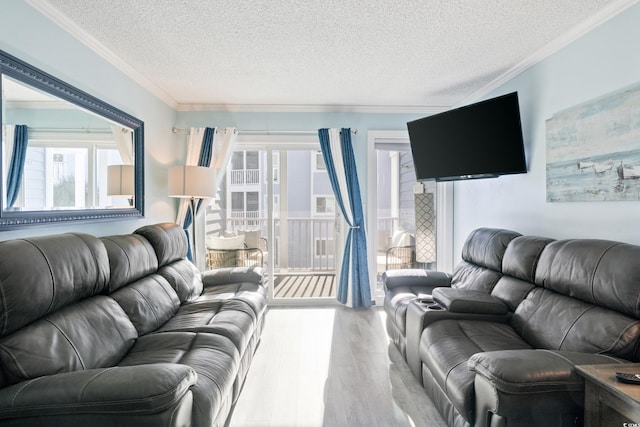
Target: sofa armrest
(408, 277)
(225, 276)
(420, 314)
(468, 301)
(133, 390)
(534, 387)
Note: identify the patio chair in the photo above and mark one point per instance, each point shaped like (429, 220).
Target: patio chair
(402, 253)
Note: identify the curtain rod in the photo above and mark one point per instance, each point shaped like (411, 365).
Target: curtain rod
(78, 130)
(270, 132)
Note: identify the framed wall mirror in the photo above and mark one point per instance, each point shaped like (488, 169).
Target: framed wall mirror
(66, 155)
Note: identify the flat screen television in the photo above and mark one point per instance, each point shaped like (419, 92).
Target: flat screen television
(481, 140)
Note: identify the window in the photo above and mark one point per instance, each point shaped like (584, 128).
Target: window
(325, 205)
(319, 162)
(237, 201)
(67, 171)
(253, 161)
(237, 160)
(253, 201)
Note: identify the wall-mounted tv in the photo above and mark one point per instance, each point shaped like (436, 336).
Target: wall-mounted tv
(481, 140)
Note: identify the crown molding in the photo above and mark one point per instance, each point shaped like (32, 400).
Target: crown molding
(552, 47)
(276, 108)
(44, 7)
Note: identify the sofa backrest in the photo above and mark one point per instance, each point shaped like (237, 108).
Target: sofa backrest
(519, 265)
(170, 245)
(586, 299)
(482, 254)
(40, 275)
(144, 295)
(53, 318)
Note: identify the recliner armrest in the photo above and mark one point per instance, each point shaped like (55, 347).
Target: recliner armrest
(532, 387)
(468, 301)
(225, 276)
(134, 390)
(408, 277)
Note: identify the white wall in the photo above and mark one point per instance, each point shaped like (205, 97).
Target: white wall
(602, 61)
(26, 34)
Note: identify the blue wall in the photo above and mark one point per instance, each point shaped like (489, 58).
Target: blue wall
(26, 34)
(603, 61)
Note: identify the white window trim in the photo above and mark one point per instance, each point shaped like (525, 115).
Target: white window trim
(444, 208)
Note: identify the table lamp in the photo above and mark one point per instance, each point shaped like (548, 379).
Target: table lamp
(120, 182)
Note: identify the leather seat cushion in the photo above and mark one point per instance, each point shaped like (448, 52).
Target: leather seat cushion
(447, 345)
(227, 318)
(149, 302)
(213, 357)
(252, 295)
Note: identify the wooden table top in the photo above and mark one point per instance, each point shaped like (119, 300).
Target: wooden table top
(605, 376)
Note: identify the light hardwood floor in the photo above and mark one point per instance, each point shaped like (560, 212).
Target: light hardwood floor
(330, 367)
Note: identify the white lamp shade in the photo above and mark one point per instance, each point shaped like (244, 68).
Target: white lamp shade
(120, 181)
(192, 181)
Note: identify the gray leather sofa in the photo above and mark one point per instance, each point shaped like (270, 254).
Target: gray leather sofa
(497, 346)
(122, 330)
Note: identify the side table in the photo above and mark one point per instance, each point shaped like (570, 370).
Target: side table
(607, 401)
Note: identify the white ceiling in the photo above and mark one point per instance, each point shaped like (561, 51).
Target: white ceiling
(377, 55)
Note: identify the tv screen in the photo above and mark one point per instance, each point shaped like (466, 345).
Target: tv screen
(480, 140)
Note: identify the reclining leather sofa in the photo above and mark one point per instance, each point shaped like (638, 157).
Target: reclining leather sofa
(496, 343)
(122, 330)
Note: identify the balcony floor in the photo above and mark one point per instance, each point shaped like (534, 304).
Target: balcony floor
(305, 285)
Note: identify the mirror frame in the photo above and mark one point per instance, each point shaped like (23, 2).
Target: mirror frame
(25, 73)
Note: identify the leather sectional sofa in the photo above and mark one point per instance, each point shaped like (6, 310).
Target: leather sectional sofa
(122, 330)
(496, 342)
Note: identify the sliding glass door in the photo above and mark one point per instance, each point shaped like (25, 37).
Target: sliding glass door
(282, 193)
(409, 222)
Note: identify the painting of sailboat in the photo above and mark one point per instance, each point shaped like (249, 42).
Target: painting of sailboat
(593, 150)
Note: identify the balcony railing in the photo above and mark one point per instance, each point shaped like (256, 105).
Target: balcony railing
(310, 242)
(244, 176)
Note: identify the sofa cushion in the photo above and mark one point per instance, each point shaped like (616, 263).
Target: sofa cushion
(522, 255)
(251, 296)
(168, 240)
(130, 258)
(184, 278)
(214, 358)
(486, 247)
(53, 271)
(599, 272)
(93, 333)
(546, 319)
(149, 302)
(474, 277)
(447, 345)
(227, 318)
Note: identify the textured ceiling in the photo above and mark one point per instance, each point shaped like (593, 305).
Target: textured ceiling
(339, 53)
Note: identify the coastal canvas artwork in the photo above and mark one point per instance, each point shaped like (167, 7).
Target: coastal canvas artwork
(593, 150)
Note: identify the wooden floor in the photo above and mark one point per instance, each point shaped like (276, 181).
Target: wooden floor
(330, 367)
(305, 285)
